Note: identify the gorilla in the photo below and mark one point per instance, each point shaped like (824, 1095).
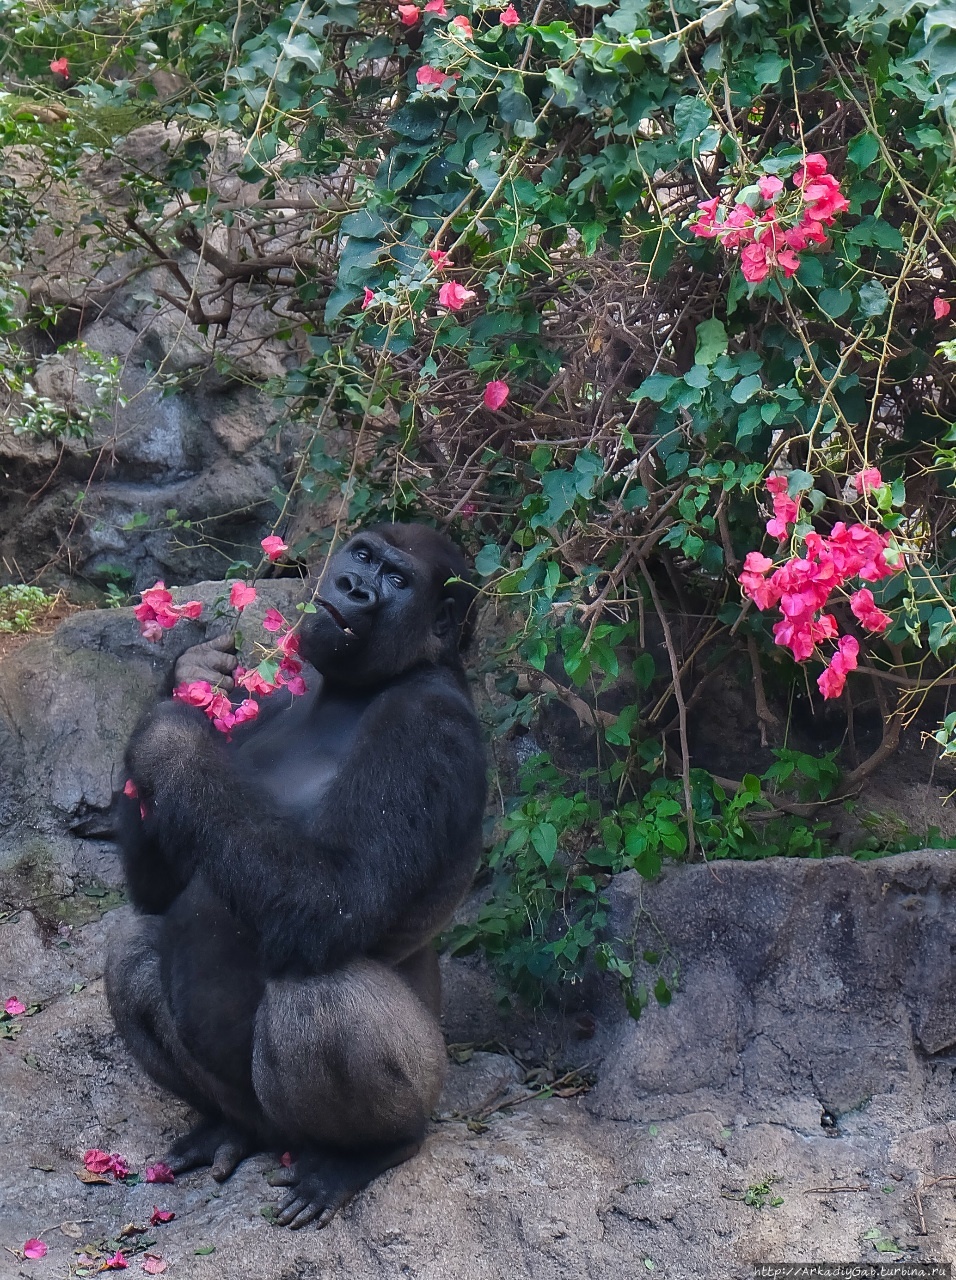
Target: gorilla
(278, 973)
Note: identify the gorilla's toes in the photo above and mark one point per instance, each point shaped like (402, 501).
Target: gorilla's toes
(212, 1142)
(323, 1184)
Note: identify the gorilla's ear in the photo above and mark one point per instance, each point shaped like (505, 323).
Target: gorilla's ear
(456, 611)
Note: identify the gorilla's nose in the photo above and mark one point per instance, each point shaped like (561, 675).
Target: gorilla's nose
(357, 590)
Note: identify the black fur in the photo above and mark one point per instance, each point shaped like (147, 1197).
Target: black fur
(294, 878)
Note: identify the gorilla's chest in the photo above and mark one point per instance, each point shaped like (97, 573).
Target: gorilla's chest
(299, 754)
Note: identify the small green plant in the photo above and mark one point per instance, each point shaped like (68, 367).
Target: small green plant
(760, 1194)
(42, 417)
(22, 607)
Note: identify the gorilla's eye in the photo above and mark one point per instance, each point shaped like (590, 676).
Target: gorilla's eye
(398, 580)
(361, 554)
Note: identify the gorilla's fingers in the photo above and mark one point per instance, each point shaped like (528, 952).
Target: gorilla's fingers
(210, 1142)
(283, 1178)
(214, 660)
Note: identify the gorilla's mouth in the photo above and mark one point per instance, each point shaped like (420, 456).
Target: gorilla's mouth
(335, 616)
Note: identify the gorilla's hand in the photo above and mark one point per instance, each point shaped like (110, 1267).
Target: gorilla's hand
(173, 737)
(215, 660)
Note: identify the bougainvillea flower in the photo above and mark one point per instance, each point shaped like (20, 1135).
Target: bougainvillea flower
(160, 1215)
(496, 393)
(755, 263)
(431, 75)
(35, 1249)
(409, 14)
(741, 222)
(129, 789)
(159, 1172)
(453, 296)
(198, 693)
(510, 17)
(241, 595)
(296, 686)
(59, 67)
(769, 187)
(437, 7)
(813, 166)
(867, 479)
(868, 612)
(157, 612)
(286, 1160)
(705, 225)
(153, 1264)
(941, 308)
(439, 256)
(462, 24)
(253, 682)
(824, 199)
(369, 297)
(103, 1162)
(274, 621)
(14, 1007)
(117, 1262)
(273, 546)
(246, 710)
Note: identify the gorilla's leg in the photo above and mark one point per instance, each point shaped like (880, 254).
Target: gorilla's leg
(142, 1015)
(351, 1063)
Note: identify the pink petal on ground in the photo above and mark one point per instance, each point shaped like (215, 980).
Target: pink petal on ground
(159, 1172)
(14, 1006)
(35, 1248)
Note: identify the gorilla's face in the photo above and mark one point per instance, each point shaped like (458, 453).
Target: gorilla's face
(384, 604)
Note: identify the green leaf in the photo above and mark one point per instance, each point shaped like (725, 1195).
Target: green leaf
(768, 68)
(834, 301)
(488, 559)
(746, 388)
(873, 299)
(302, 48)
(544, 837)
(691, 118)
(654, 388)
(712, 341)
(863, 150)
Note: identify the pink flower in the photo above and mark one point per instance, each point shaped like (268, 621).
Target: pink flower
(296, 686)
(789, 261)
(274, 621)
(14, 1007)
(757, 563)
(769, 187)
(941, 308)
(740, 222)
(754, 263)
(198, 693)
(510, 17)
(286, 1160)
(369, 296)
(813, 165)
(117, 1262)
(288, 644)
(468, 510)
(439, 256)
(102, 1162)
(254, 682)
(159, 1172)
(705, 225)
(240, 596)
(59, 67)
(273, 546)
(35, 1249)
(409, 14)
(430, 75)
(824, 199)
(437, 7)
(462, 24)
(867, 479)
(866, 610)
(151, 631)
(157, 611)
(496, 393)
(160, 1215)
(154, 1265)
(831, 681)
(246, 710)
(453, 296)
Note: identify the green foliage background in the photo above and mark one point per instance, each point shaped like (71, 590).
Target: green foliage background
(611, 501)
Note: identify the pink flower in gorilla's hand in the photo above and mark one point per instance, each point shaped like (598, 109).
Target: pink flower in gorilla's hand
(273, 546)
(156, 611)
(247, 710)
(198, 693)
(241, 595)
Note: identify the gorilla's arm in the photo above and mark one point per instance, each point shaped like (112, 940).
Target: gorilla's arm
(393, 828)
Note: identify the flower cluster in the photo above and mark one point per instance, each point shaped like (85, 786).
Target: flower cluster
(157, 613)
(103, 1163)
(216, 704)
(802, 587)
(789, 222)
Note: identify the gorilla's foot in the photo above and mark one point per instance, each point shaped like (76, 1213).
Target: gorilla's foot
(324, 1182)
(213, 1142)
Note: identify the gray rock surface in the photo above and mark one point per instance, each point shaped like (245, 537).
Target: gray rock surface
(793, 1102)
